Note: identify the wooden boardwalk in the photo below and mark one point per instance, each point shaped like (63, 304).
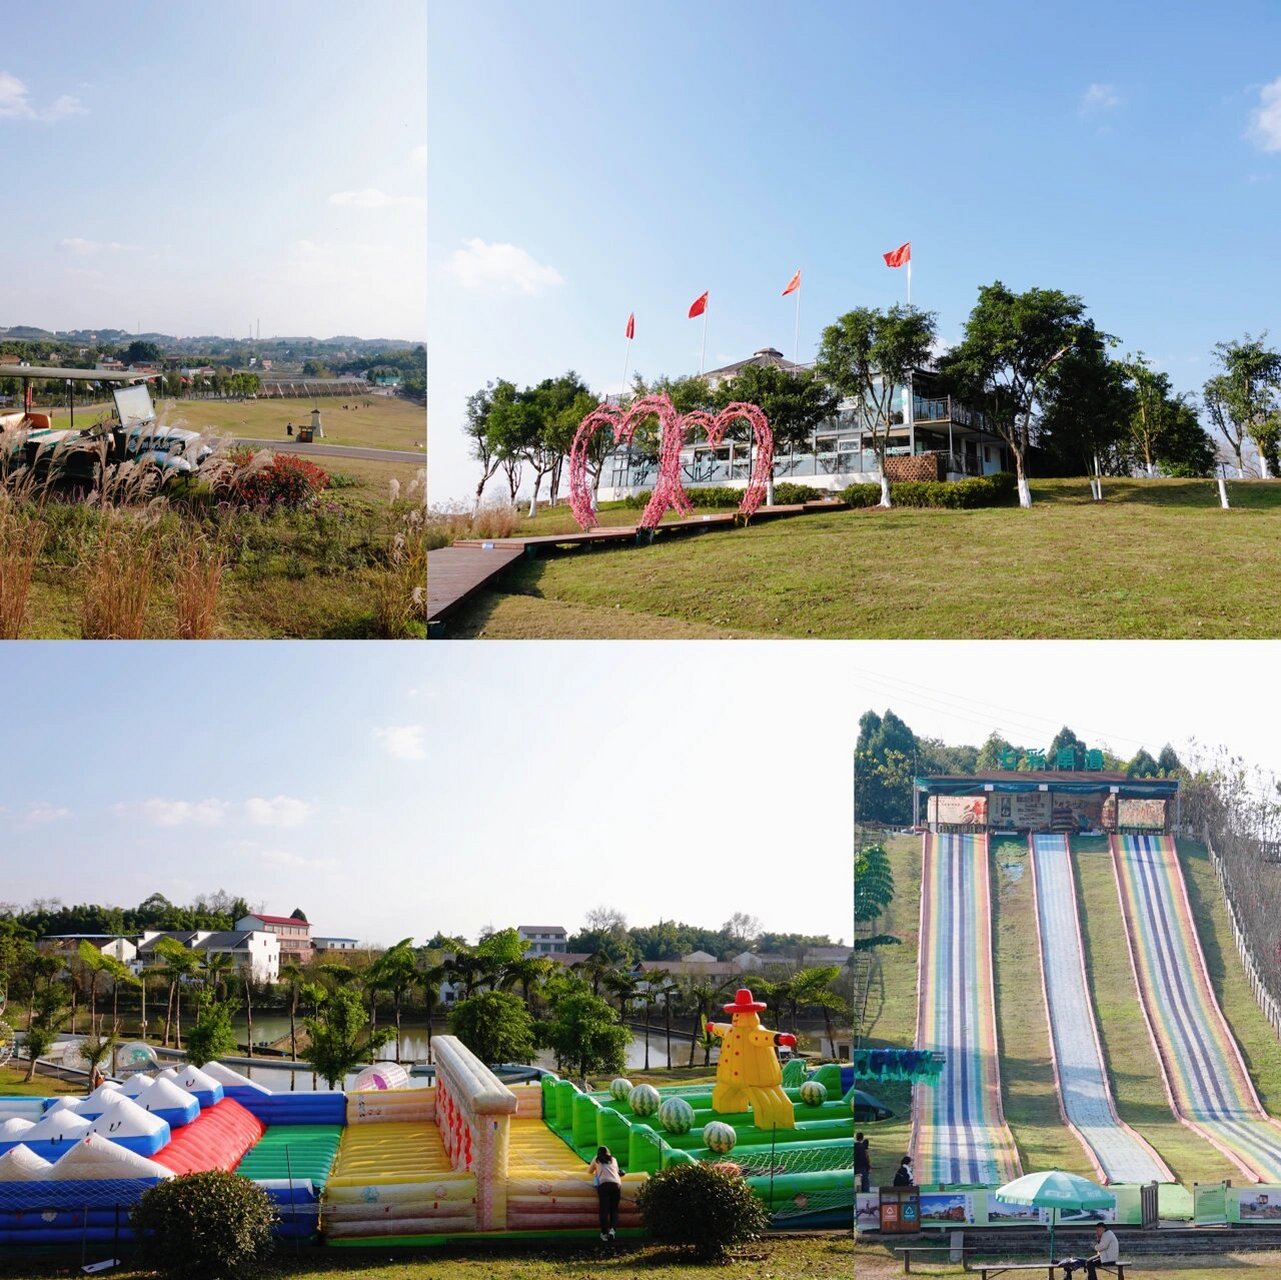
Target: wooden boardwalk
(457, 572)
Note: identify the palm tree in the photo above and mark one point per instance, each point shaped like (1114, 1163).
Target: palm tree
(216, 965)
(94, 962)
(527, 973)
(700, 994)
(179, 964)
(118, 972)
(813, 988)
(95, 1050)
(396, 970)
(291, 972)
(430, 981)
(666, 988)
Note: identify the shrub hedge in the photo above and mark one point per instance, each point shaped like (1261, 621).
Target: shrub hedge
(978, 491)
(721, 495)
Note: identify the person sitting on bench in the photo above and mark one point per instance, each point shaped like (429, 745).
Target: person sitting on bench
(903, 1176)
(1108, 1251)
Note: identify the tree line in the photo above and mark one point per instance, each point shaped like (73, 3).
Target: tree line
(888, 755)
(1052, 386)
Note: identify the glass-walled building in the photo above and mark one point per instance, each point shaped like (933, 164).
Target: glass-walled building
(950, 440)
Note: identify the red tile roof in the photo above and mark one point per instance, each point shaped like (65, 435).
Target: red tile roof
(258, 915)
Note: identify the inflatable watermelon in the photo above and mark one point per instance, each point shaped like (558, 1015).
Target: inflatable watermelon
(813, 1093)
(619, 1088)
(719, 1137)
(676, 1115)
(644, 1100)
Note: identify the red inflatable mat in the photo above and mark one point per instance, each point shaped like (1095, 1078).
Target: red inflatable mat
(217, 1139)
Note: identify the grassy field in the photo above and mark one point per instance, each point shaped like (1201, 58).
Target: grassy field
(1157, 558)
(389, 422)
(1028, 1093)
(780, 1258)
(877, 1262)
(13, 1081)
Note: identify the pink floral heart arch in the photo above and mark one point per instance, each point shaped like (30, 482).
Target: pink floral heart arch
(673, 429)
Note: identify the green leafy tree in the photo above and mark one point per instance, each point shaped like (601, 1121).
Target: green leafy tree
(482, 446)
(140, 352)
(884, 763)
(1143, 765)
(1186, 449)
(340, 1042)
(495, 1026)
(1063, 740)
(1168, 763)
(1246, 396)
(212, 1035)
(1002, 366)
(48, 1008)
(396, 971)
(794, 403)
(867, 356)
(584, 1034)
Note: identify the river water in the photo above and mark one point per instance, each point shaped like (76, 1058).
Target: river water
(271, 1027)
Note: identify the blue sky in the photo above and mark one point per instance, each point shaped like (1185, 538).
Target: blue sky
(394, 790)
(590, 160)
(194, 170)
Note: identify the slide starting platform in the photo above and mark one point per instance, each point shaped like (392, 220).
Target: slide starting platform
(959, 1134)
(1085, 1096)
(1206, 1078)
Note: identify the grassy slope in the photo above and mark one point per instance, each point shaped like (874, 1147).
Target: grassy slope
(1133, 1070)
(1161, 559)
(14, 1081)
(1259, 1045)
(388, 423)
(892, 1019)
(792, 1258)
(1028, 1092)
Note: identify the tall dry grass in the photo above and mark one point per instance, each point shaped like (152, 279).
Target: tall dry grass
(448, 524)
(21, 538)
(198, 566)
(119, 568)
(400, 596)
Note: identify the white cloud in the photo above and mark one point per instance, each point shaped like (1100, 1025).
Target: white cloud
(84, 248)
(15, 103)
(46, 813)
(480, 266)
(372, 198)
(1100, 97)
(418, 156)
(175, 813)
(1265, 119)
(404, 741)
(280, 811)
(294, 861)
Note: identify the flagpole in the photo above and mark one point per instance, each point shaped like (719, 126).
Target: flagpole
(626, 360)
(909, 277)
(796, 337)
(702, 359)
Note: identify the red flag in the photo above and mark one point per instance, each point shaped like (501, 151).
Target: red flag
(698, 306)
(792, 285)
(897, 257)
(631, 325)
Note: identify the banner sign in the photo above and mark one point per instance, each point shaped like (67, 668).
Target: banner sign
(1020, 810)
(947, 1208)
(1258, 1204)
(959, 811)
(1149, 814)
(1076, 812)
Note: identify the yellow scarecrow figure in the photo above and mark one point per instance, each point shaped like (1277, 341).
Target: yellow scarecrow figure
(748, 1074)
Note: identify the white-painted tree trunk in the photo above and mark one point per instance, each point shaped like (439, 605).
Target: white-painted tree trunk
(1263, 467)
(1151, 471)
(1223, 494)
(1025, 493)
(533, 503)
(885, 491)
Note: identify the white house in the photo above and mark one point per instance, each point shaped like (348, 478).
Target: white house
(542, 939)
(252, 950)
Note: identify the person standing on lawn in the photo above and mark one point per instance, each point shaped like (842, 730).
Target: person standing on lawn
(862, 1160)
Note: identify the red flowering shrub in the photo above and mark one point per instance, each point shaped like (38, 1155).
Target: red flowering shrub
(288, 481)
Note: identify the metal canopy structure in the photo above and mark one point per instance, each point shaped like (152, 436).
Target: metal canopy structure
(42, 373)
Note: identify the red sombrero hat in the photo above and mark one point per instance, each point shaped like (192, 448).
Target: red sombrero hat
(743, 1003)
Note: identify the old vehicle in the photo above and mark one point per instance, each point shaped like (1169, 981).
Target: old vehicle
(73, 456)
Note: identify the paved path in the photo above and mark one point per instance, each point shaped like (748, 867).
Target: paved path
(959, 1134)
(335, 450)
(1204, 1070)
(1081, 1077)
(455, 574)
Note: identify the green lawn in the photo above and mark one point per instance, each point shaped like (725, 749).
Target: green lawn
(388, 422)
(875, 1261)
(782, 1258)
(1155, 559)
(13, 1080)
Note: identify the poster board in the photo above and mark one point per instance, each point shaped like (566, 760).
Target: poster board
(1148, 815)
(958, 811)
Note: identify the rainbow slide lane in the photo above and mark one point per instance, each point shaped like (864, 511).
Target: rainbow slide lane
(959, 1134)
(1116, 1151)
(1205, 1076)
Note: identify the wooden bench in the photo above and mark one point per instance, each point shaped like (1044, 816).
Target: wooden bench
(1051, 1269)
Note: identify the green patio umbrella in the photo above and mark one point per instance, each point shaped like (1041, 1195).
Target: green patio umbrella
(1054, 1190)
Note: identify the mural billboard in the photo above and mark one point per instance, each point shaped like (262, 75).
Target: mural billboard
(958, 811)
(1020, 810)
(1076, 812)
(1147, 814)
